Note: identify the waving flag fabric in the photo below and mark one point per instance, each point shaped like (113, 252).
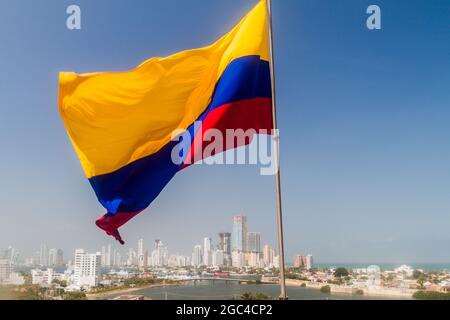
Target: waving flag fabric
(121, 123)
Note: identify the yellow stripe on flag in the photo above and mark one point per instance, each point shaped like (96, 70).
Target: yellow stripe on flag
(116, 118)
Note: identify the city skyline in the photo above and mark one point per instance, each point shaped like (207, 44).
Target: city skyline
(215, 251)
(362, 116)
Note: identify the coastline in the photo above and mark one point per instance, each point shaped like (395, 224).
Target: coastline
(392, 293)
(369, 292)
(121, 291)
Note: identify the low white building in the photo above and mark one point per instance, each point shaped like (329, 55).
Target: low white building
(15, 279)
(406, 270)
(45, 277)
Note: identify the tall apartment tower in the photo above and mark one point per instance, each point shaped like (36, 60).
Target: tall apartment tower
(254, 242)
(86, 268)
(225, 242)
(142, 256)
(239, 233)
(207, 252)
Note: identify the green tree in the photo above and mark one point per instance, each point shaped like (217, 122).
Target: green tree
(420, 283)
(417, 274)
(341, 272)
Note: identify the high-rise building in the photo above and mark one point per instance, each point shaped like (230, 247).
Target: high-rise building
(118, 259)
(103, 259)
(253, 242)
(183, 261)
(309, 262)
(160, 255)
(43, 255)
(131, 258)
(207, 252)
(86, 268)
(142, 257)
(253, 259)
(108, 256)
(59, 258)
(237, 259)
(10, 254)
(217, 258)
(225, 242)
(299, 261)
(268, 254)
(52, 257)
(197, 256)
(276, 262)
(5, 269)
(239, 233)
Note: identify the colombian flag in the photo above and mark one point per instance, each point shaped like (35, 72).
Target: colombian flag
(121, 123)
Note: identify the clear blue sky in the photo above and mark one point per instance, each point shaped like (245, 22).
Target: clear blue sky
(364, 118)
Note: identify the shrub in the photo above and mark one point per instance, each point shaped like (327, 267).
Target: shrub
(431, 295)
(325, 289)
(74, 296)
(359, 292)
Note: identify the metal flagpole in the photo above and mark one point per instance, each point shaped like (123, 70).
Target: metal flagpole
(276, 138)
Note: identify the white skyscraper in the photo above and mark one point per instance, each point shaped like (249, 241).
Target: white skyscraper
(237, 259)
(268, 254)
(218, 258)
(5, 269)
(197, 256)
(118, 260)
(86, 268)
(309, 262)
(132, 257)
(108, 257)
(43, 255)
(207, 253)
(182, 261)
(276, 262)
(160, 255)
(10, 254)
(253, 259)
(142, 257)
(103, 260)
(52, 257)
